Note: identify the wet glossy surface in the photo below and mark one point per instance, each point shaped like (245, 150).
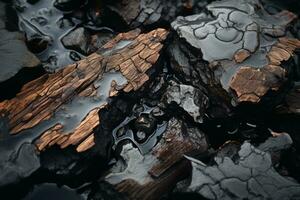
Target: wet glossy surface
(72, 113)
(233, 26)
(120, 45)
(43, 22)
(219, 36)
(144, 141)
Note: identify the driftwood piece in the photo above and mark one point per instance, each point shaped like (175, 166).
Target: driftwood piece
(63, 107)
(244, 46)
(153, 174)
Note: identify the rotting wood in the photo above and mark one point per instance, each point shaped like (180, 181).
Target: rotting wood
(154, 189)
(251, 84)
(245, 53)
(131, 54)
(157, 171)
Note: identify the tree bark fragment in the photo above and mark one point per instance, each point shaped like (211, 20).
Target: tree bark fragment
(129, 54)
(252, 84)
(245, 52)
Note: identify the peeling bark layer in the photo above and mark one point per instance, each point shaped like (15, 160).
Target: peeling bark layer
(243, 44)
(251, 84)
(46, 105)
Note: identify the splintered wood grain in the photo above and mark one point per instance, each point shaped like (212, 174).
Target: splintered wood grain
(251, 84)
(241, 55)
(171, 150)
(167, 168)
(154, 189)
(41, 98)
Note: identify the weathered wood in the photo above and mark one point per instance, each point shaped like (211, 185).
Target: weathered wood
(153, 174)
(251, 84)
(155, 189)
(245, 53)
(128, 56)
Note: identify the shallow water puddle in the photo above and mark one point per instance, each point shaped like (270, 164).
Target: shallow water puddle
(43, 22)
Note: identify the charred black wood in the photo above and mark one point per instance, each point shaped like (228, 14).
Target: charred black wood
(210, 112)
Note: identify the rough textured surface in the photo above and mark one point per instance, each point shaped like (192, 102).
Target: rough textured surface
(192, 70)
(177, 140)
(248, 175)
(234, 27)
(83, 88)
(243, 44)
(195, 105)
(144, 176)
(138, 13)
(190, 99)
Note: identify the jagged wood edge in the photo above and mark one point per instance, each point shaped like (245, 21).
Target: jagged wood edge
(251, 84)
(39, 99)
